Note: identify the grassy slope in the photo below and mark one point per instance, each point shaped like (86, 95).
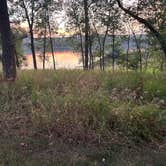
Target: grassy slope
(83, 118)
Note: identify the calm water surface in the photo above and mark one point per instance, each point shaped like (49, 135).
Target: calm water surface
(66, 60)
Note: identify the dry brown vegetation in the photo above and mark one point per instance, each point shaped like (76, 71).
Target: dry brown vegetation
(83, 118)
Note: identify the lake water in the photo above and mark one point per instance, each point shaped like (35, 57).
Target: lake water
(65, 59)
(64, 56)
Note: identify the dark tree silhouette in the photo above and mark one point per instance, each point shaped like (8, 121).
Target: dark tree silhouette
(30, 19)
(8, 50)
(86, 34)
(147, 24)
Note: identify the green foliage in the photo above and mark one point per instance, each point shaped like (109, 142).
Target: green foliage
(79, 108)
(83, 97)
(156, 87)
(123, 80)
(142, 122)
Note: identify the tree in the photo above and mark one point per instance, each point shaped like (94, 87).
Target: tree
(30, 9)
(78, 19)
(51, 41)
(30, 16)
(102, 36)
(86, 11)
(51, 6)
(8, 50)
(148, 24)
(105, 17)
(138, 45)
(75, 23)
(45, 25)
(18, 34)
(41, 27)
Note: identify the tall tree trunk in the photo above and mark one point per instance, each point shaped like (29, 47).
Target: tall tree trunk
(82, 49)
(100, 46)
(113, 48)
(91, 65)
(44, 45)
(147, 24)
(113, 53)
(147, 54)
(8, 51)
(138, 46)
(51, 43)
(127, 54)
(103, 59)
(138, 50)
(86, 34)
(33, 48)
(92, 56)
(30, 24)
(103, 43)
(103, 46)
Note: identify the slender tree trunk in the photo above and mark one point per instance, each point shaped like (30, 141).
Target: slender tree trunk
(127, 54)
(30, 24)
(113, 49)
(113, 53)
(138, 47)
(44, 45)
(86, 34)
(141, 56)
(91, 66)
(92, 60)
(147, 54)
(51, 44)
(103, 59)
(139, 51)
(8, 53)
(103, 47)
(100, 47)
(33, 49)
(82, 49)
(92, 57)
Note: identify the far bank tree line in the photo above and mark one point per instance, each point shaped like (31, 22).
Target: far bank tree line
(88, 18)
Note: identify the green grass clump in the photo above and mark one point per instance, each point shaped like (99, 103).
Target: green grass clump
(142, 122)
(78, 97)
(79, 108)
(155, 85)
(123, 80)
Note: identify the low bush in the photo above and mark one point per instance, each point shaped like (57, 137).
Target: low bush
(83, 100)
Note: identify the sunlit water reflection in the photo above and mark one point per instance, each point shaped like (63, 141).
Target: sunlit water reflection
(66, 60)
